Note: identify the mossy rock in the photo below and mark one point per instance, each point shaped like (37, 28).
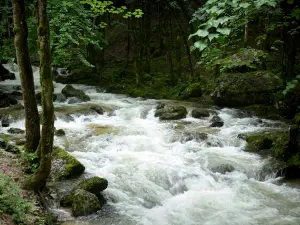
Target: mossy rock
(257, 88)
(200, 113)
(64, 165)
(268, 142)
(264, 111)
(171, 112)
(70, 91)
(85, 203)
(94, 185)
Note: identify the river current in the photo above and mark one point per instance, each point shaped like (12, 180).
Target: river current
(158, 177)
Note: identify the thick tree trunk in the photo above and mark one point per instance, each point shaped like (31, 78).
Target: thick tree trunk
(38, 180)
(32, 121)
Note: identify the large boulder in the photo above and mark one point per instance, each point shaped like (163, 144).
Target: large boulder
(70, 91)
(171, 112)
(85, 203)
(273, 142)
(5, 74)
(242, 89)
(200, 113)
(94, 185)
(64, 165)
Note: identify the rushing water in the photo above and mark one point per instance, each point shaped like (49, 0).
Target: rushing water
(157, 178)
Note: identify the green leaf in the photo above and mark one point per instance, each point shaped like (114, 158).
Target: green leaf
(201, 33)
(212, 36)
(201, 45)
(244, 5)
(224, 31)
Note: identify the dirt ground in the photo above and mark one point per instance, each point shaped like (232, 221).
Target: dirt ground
(10, 166)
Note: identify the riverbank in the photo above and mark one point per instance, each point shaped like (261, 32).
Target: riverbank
(18, 205)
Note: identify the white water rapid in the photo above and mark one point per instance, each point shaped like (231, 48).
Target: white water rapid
(155, 178)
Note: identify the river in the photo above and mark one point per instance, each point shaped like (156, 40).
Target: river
(157, 177)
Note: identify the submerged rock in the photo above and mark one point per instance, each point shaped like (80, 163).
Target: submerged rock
(98, 109)
(74, 100)
(70, 91)
(65, 166)
(223, 168)
(85, 203)
(61, 98)
(189, 136)
(200, 113)
(171, 113)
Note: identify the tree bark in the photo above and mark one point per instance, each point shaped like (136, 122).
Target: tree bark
(38, 180)
(32, 120)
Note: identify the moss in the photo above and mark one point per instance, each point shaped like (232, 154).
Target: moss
(281, 145)
(294, 161)
(72, 167)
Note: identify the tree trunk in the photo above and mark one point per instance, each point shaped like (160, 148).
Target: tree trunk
(246, 34)
(38, 180)
(32, 120)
